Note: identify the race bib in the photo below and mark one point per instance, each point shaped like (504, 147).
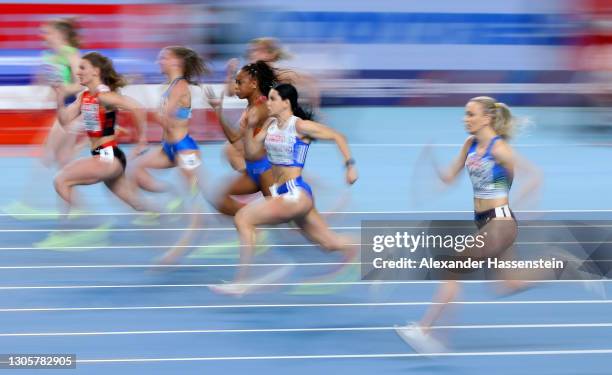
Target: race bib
(107, 154)
(280, 148)
(91, 119)
(189, 161)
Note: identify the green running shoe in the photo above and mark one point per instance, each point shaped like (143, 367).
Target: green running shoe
(147, 219)
(21, 211)
(77, 241)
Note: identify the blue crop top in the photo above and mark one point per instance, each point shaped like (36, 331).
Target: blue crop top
(181, 113)
(489, 179)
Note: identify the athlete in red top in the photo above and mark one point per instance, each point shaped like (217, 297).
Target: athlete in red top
(98, 105)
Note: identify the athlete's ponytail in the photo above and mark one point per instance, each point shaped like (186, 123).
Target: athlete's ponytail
(502, 120)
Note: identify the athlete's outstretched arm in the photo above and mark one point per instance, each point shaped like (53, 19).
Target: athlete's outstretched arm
(66, 115)
(254, 143)
(319, 131)
(125, 102)
(450, 174)
(231, 134)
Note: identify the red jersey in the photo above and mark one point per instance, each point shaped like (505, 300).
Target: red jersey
(99, 121)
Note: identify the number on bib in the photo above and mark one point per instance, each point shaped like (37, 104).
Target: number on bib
(107, 154)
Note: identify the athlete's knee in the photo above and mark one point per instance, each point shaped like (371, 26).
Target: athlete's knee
(57, 183)
(138, 206)
(139, 176)
(134, 201)
(60, 181)
(242, 221)
(332, 243)
(62, 186)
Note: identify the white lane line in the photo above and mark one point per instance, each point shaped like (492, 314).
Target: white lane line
(133, 286)
(229, 265)
(231, 246)
(326, 329)
(217, 213)
(328, 212)
(226, 229)
(351, 356)
(300, 305)
(177, 265)
(235, 246)
(233, 229)
(375, 283)
(361, 282)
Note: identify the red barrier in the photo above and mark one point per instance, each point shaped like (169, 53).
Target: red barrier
(21, 21)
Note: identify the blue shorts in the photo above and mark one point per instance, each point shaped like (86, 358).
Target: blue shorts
(291, 189)
(171, 149)
(255, 169)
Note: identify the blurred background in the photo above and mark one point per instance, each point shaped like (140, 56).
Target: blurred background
(393, 76)
(386, 53)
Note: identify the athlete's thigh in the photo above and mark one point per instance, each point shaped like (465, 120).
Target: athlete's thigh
(154, 159)
(273, 210)
(90, 170)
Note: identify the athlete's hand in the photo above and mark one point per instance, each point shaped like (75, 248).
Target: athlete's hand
(351, 174)
(215, 103)
(60, 94)
(59, 89)
(231, 68)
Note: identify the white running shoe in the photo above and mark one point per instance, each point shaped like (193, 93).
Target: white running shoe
(421, 342)
(252, 285)
(230, 289)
